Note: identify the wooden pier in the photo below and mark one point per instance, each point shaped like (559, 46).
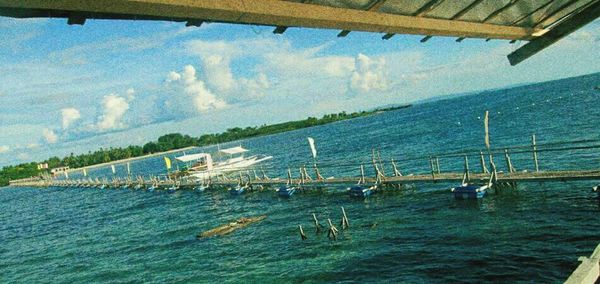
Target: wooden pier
(510, 176)
(455, 177)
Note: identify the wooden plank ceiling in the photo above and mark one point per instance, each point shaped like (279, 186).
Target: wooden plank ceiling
(541, 22)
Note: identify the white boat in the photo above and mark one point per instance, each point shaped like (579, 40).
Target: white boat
(202, 166)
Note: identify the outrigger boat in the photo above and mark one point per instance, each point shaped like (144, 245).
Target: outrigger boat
(201, 165)
(471, 191)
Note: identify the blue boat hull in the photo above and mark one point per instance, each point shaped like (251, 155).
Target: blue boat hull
(237, 191)
(286, 191)
(469, 192)
(360, 191)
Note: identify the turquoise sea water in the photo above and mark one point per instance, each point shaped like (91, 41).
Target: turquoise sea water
(418, 235)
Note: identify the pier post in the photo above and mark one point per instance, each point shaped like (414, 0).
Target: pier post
(437, 165)
(467, 168)
(264, 174)
(380, 163)
(345, 224)
(302, 235)
(509, 165)
(432, 167)
(317, 225)
(397, 173)
(333, 231)
(317, 173)
(535, 157)
(362, 174)
(484, 169)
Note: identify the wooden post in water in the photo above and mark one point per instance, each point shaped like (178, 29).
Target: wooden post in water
(437, 165)
(380, 163)
(333, 231)
(484, 169)
(345, 224)
(535, 157)
(509, 165)
(317, 173)
(362, 175)
(264, 174)
(397, 173)
(467, 168)
(432, 168)
(302, 235)
(317, 225)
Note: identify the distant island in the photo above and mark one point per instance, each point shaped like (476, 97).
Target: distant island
(175, 141)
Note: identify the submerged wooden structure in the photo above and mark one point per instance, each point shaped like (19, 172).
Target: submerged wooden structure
(541, 22)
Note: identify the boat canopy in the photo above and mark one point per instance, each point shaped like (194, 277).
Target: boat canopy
(234, 150)
(192, 157)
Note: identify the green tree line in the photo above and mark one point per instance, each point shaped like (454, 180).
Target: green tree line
(165, 143)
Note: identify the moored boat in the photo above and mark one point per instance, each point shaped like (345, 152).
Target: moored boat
(361, 191)
(237, 190)
(286, 191)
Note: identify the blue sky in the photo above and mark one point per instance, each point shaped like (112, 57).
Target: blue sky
(70, 89)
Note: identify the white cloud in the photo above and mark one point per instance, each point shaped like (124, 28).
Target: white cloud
(369, 75)
(130, 94)
(50, 136)
(69, 115)
(33, 145)
(4, 149)
(218, 73)
(202, 98)
(114, 110)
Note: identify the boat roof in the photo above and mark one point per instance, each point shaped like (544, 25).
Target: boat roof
(234, 150)
(192, 157)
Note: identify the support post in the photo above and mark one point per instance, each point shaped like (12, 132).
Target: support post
(302, 235)
(467, 168)
(437, 165)
(509, 165)
(362, 175)
(344, 224)
(535, 157)
(397, 173)
(333, 231)
(317, 173)
(432, 168)
(484, 169)
(317, 225)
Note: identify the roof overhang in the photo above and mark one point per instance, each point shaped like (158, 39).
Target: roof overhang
(490, 19)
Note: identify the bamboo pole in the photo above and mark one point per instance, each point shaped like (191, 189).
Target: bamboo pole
(317, 225)
(333, 231)
(484, 169)
(302, 235)
(432, 168)
(397, 173)
(535, 157)
(467, 168)
(345, 224)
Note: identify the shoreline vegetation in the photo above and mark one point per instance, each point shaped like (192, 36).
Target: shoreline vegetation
(174, 142)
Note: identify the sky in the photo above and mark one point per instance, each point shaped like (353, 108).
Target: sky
(73, 89)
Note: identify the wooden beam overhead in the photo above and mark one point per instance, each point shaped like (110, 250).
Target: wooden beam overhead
(273, 13)
(279, 29)
(374, 6)
(562, 29)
